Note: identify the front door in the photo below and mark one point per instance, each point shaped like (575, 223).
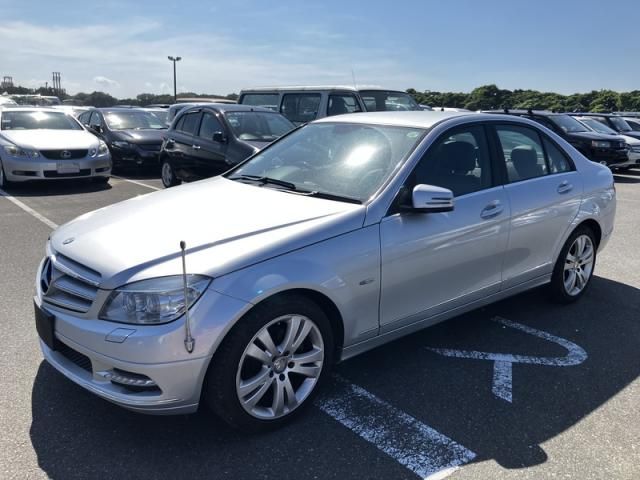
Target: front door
(209, 154)
(434, 262)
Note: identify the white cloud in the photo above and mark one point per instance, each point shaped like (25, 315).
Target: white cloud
(105, 82)
(130, 57)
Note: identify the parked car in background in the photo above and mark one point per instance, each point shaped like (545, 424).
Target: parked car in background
(346, 234)
(46, 144)
(305, 104)
(614, 122)
(161, 113)
(633, 144)
(36, 100)
(72, 110)
(134, 135)
(207, 140)
(610, 150)
(633, 122)
(6, 101)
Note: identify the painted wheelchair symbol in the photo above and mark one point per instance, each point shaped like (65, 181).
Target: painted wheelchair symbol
(503, 363)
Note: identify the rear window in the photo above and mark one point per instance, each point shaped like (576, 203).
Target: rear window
(268, 100)
(382, 100)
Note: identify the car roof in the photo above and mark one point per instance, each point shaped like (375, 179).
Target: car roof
(417, 118)
(519, 112)
(350, 88)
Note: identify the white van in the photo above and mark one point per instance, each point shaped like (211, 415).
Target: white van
(307, 103)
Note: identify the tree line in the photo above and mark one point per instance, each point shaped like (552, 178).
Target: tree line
(489, 97)
(486, 97)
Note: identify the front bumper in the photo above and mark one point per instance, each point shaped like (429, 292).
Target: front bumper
(135, 156)
(24, 170)
(153, 352)
(610, 157)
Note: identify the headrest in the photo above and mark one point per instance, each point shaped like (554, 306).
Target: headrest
(459, 157)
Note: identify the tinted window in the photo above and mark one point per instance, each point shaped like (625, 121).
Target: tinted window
(380, 100)
(37, 120)
(84, 117)
(210, 124)
(189, 123)
(620, 124)
(635, 125)
(132, 120)
(558, 161)
(568, 124)
(300, 107)
(345, 103)
(597, 126)
(522, 151)
(458, 161)
(269, 100)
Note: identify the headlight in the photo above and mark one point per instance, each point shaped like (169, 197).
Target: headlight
(103, 149)
(16, 151)
(600, 144)
(119, 144)
(154, 301)
(635, 149)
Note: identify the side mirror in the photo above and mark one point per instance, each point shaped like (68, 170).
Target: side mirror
(431, 199)
(219, 137)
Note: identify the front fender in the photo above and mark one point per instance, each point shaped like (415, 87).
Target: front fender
(345, 269)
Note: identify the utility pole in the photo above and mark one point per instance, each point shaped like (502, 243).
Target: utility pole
(175, 90)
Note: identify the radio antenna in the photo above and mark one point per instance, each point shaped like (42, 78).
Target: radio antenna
(189, 341)
(353, 76)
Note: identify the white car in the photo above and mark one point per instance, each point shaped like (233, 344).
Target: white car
(43, 143)
(633, 143)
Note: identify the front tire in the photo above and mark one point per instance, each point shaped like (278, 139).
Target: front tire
(574, 267)
(168, 175)
(4, 183)
(271, 364)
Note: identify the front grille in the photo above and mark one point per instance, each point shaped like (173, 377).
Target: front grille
(150, 147)
(54, 174)
(68, 284)
(75, 357)
(64, 154)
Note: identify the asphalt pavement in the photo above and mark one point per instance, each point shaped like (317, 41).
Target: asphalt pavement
(520, 389)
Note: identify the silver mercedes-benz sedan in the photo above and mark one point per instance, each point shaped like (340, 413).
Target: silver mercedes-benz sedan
(341, 236)
(45, 143)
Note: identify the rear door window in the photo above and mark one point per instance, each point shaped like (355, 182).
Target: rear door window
(189, 123)
(300, 107)
(522, 151)
(342, 103)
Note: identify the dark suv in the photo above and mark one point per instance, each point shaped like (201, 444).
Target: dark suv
(206, 140)
(598, 147)
(133, 135)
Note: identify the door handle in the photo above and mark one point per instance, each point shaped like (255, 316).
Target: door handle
(195, 147)
(565, 187)
(491, 210)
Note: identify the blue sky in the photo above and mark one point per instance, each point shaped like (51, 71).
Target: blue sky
(448, 45)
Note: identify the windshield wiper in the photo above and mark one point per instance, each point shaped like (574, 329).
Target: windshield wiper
(329, 196)
(265, 180)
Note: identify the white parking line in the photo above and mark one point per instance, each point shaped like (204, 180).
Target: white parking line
(136, 182)
(422, 449)
(29, 210)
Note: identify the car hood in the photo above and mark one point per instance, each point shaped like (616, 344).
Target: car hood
(139, 136)
(51, 139)
(595, 136)
(226, 225)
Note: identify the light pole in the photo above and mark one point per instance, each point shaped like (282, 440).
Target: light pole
(175, 91)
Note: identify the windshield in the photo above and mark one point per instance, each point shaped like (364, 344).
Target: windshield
(258, 126)
(163, 115)
(620, 124)
(568, 124)
(37, 120)
(347, 160)
(598, 127)
(381, 100)
(133, 120)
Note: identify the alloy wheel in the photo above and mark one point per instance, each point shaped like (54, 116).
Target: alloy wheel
(167, 174)
(578, 265)
(280, 367)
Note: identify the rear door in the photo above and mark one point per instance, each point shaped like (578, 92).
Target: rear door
(180, 143)
(209, 154)
(544, 192)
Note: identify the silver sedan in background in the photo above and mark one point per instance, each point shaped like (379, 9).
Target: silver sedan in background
(343, 235)
(44, 144)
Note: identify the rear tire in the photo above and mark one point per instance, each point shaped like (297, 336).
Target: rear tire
(271, 365)
(168, 175)
(574, 268)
